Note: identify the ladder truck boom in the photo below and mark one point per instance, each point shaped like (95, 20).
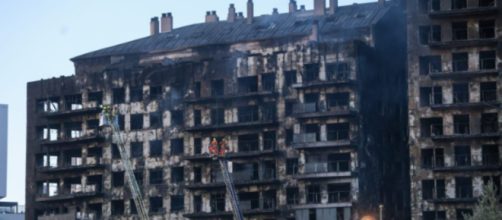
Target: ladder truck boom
(108, 118)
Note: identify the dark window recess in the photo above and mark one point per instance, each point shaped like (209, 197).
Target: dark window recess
(218, 202)
(117, 207)
(463, 187)
(155, 120)
(487, 29)
(73, 130)
(96, 97)
(268, 111)
(337, 132)
(197, 89)
(338, 71)
(269, 140)
(155, 92)
(338, 100)
(289, 108)
(268, 82)
(155, 148)
(139, 177)
(289, 136)
(423, 6)
(217, 88)
(118, 179)
(313, 129)
(461, 124)
(248, 114)
(96, 152)
(156, 205)
(73, 102)
(430, 64)
(177, 174)
(488, 91)
(136, 94)
(197, 144)
(486, 3)
(197, 174)
(197, 204)
(177, 147)
(247, 84)
(434, 215)
(197, 117)
(156, 177)
(489, 123)
(311, 72)
(487, 60)
(458, 4)
(134, 211)
(118, 95)
(137, 122)
(93, 124)
(177, 203)
(121, 122)
(339, 193)
(462, 156)
(115, 152)
(433, 158)
(436, 5)
(248, 142)
(433, 189)
(289, 78)
(459, 30)
(430, 127)
(461, 213)
(136, 149)
(490, 155)
(313, 194)
(177, 118)
(292, 196)
(496, 183)
(292, 166)
(429, 34)
(431, 96)
(339, 162)
(461, 93)
(460, 62)
(217, 116)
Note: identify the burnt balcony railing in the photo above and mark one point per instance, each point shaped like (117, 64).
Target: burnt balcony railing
(301, 108)
(96, 163)
(68, 194)
(72, 112)
(338, 135)
(466, 162)
(339, 196)
(89, 137)
(257, 204)
(433, 162)
(321, 109)
(461, 128)
(305, 138)
(313, 197)
(489, 95)
(460, 97)
(327, 167)
(436, 130)
(489, 127)
(248, 145)
(463, 11)
(463, 192)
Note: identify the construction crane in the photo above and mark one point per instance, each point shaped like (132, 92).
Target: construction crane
(218, 154)
(108, 118)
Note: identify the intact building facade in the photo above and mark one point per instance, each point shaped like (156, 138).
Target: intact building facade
(312, 104)
(454, 63)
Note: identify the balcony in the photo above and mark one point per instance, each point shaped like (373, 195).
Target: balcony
(468, 163)
(246, 121)
(320, 110)
(72, 112)
(467, 105)
(337, 169)
(93, 136)
(463, 43)
(464, 74)
(325, 83)
(72, 167)
(467, 136)
(230, 97)
(461, 13)
(310, 141)
(248, 207)
(463, 194)
(241, 179)
(89, 192)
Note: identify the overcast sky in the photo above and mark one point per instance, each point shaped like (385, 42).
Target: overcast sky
(38, 37)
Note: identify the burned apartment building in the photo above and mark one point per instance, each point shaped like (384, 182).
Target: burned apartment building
(311, 102)
(455, 95)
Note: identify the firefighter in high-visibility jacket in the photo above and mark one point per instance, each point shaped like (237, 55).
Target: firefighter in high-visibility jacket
(223, 147)
(213, 147)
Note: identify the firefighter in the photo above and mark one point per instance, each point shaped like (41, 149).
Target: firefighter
(223, 147)
(213, 147)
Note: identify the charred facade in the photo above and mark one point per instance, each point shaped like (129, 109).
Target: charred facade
(312, 103)
(455, 113)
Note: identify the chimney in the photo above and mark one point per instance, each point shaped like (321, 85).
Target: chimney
(250, 12)
(166, 23)
(211, 17)
(333, 5)
(292, 6)
(302, 8)
(314, 36)
(154, 26)
(275, 11)
(319, 7)
(231, 13)
(240, 16)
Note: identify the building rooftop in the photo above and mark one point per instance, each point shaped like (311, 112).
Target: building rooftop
(286, 25)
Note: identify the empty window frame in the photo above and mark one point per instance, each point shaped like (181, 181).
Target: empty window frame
(268, 111)
(429, 64)
(488, 91)
(118, 95)
(429, 34)
(197, 203)
(177, 203)
(136, 149)
(197, 117)
(136, 94)
(434, 215)
(139, 177)
(96, 97)
(430, 127)
(117, 207)
(313, 194)
(177, 174)
(155, 92)
(458, 4)
(339, 162)
(156, 205)
(461, 213)
(73, 130)
(118, 179)
(156, 177)
(490, 155)
(489, 123)
(339, 192)
(311, 72)
(197, 174)
(461, 93)
(496, 183)
(197, 145)
(248, 114)
(462, 156)
(339, 131)
(289, 78)
(461, 124)
(217, 116)
(291, 166)
(73, 102)
(338, 71)
(92, 124)
(48, 133)
(269, 140)
(177, 146)
(115, 152)
(487, 60)
(217, 88)
(338, 100)
(247, 84)
(312, 130)
(292, 196)
(177, 118)
(268, 82)
(431, 96)
(459, 30)
(487, 29)
(48, 105)
(463, 187)
(136, 121)
(197, 89)
(460, 62)
(121, 122)
(155, 120)
(432, 158)
(248, 143)
(156, 148)
(433, 189)
(217, 202)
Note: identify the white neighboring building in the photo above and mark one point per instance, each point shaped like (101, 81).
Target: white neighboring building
(3, 151)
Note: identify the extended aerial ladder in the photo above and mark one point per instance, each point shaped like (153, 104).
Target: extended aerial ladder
(218, 154)
(109, 118)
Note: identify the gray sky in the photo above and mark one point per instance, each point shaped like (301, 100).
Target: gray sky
(38, 37)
